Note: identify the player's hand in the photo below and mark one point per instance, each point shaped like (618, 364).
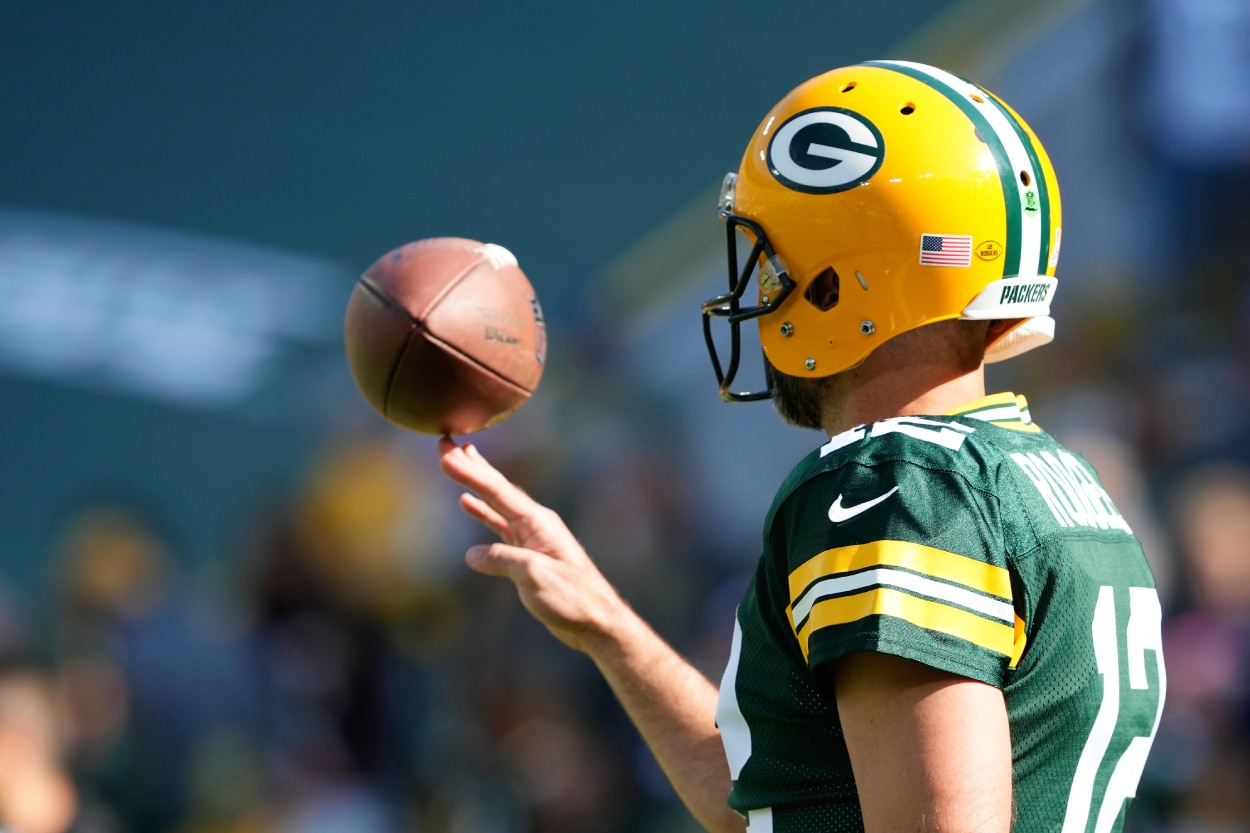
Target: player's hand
(555, 578)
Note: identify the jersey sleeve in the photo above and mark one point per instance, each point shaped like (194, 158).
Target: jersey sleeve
(901, 558)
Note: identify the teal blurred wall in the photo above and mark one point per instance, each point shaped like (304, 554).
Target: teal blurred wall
(336, 131)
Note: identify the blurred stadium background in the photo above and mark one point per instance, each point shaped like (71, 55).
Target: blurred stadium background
(231, 600)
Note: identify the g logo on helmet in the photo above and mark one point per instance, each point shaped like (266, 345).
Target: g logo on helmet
(825, 150)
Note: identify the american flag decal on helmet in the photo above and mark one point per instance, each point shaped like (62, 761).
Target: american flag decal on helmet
(945, 250)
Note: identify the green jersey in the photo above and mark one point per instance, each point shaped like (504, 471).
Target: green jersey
(972, 542)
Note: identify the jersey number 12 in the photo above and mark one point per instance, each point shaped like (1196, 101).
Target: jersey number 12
(1143, 633)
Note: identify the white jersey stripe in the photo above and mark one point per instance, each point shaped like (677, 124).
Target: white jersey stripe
(886, 576)
(734, 731)
(760, 821)
(1031, 231)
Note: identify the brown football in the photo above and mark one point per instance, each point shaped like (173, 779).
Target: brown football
(445, 336)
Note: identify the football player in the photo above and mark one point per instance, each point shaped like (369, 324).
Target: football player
(951, 626)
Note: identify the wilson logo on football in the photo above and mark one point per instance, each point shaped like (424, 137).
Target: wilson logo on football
(825, 150)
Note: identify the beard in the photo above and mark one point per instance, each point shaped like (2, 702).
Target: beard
(800, 402)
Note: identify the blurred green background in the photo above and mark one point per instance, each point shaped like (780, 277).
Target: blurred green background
(339, 131)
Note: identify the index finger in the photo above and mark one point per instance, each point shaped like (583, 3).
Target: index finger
(466, 466)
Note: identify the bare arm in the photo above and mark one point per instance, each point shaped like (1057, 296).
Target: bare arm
(671, 703)
(931, 751)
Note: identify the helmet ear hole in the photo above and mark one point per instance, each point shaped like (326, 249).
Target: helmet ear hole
(823, 292)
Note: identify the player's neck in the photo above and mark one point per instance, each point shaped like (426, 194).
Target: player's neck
(880, 390)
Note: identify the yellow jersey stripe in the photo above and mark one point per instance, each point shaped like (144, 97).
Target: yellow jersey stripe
(1026, 427)
(1021, 636)
(933, 616)
(928, 561)
(1002, 410)
(991, 401)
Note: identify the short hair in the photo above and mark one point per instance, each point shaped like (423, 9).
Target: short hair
(961, 340)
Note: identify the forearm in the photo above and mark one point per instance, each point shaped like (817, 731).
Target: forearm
(674, 707)
(671, 703)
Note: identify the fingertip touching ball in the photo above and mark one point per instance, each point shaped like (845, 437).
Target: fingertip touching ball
(445, 336)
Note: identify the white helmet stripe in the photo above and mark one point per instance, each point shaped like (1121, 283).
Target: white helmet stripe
(1032, 235)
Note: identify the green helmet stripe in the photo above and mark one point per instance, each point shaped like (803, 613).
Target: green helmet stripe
(1013, 197)
(1043, 187)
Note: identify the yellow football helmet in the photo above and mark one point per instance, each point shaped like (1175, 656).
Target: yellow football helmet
(878, 198)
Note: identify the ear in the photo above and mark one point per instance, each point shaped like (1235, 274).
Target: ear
(824, 290)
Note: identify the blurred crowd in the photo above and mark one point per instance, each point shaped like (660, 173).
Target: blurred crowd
(340, 670)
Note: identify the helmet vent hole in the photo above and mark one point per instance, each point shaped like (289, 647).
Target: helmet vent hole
(976, 98)
(823, 292)
(1025, 178)
(848, 86)
(907, 109)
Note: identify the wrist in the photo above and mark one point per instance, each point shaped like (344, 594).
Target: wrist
(615, 632)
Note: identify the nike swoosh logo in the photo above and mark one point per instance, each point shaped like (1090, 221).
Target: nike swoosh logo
(839, 513)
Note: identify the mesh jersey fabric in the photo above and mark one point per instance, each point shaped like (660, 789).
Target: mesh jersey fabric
(971, 542)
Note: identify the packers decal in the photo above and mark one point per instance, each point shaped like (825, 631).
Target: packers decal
(825, 150)
(1024, 293)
